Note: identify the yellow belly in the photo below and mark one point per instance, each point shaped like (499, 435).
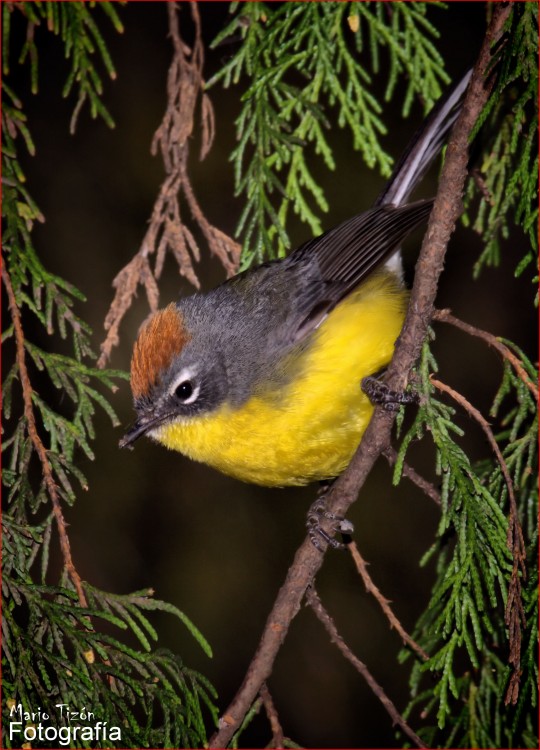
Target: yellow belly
(311, 428)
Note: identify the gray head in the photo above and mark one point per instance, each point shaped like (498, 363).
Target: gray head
(173, 376)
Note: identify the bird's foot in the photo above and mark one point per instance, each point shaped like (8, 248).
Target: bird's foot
(381, 395)
(317, 511)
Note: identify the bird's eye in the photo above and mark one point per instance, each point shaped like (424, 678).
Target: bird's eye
(184, 391)
(185, 388)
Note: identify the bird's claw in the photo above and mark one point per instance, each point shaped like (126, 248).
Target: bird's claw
(319, 510)
(381, 395)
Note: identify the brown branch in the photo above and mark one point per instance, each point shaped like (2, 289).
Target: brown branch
(167, 231)
(445, 316)
(427, 487)
(273, 718)
(288, 601)
(316, 604)
(482, 187)
(514, 613)
(344, 491)
(371, 588)
(36, 440)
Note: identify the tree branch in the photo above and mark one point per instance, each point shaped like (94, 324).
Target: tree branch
(316, 604)
(273, 718)
(445, 316)
(446, 210)
(427, 487)
(36, 440)
(371, 588)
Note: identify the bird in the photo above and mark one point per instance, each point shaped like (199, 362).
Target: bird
(260, 378)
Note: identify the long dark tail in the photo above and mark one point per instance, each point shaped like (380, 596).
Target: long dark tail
(424, 146)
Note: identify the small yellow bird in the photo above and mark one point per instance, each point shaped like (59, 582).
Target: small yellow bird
(260, 378)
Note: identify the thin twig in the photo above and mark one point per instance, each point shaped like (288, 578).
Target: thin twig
(36, 440)
(445, 316)
(514, 613)
(316, 605)
(371, 588)
(273, 718)
(377, 437)
(167, 232)
(427, 487)
(481, 185)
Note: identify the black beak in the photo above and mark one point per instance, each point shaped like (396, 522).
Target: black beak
(133, 434)
(140, 428)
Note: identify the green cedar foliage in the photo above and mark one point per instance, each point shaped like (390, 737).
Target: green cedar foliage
(506, 181)
(97, 652)
(476, 547)
(465, 619)
(299, 71)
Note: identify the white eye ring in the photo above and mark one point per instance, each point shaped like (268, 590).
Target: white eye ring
(185, 378)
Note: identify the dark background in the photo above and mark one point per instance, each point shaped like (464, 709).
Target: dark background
(216, 548)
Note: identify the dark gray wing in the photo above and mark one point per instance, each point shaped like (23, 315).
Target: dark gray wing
(344, 256)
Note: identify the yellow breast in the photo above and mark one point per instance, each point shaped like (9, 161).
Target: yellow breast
(311, 428)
